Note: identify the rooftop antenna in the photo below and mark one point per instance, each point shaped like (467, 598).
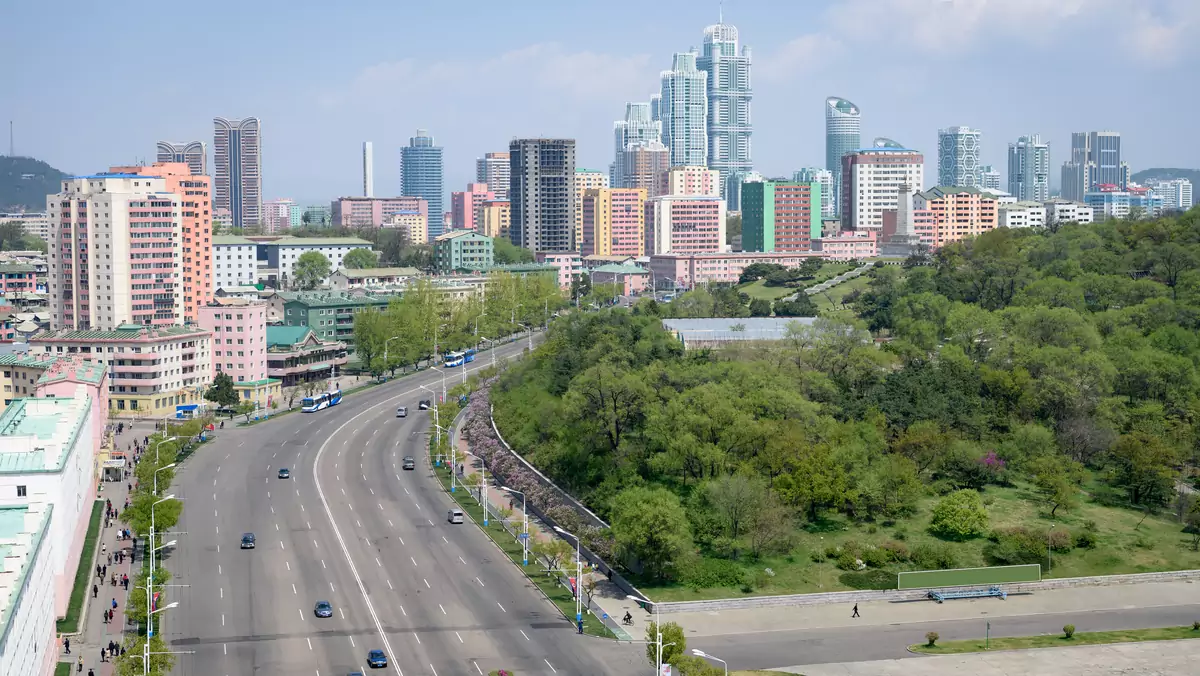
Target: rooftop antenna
(721, 11)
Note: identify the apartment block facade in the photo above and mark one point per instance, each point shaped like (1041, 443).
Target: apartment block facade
(542, 193)
(614, 222)
(958, 212)
(493, 169)
(239, 347)
(237, 170)
(872, 180)
(466, 207)
(780, 216)
(462, 250)
(685, 224)
(374, 212)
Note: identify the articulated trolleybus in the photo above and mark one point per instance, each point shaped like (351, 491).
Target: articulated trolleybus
(321, 401)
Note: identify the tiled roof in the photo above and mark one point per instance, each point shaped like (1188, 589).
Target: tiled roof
(328, 299)
(380, 272)
(27, 361)
(614, 268)
(122, 332)
(319, 241)
(39, 419)
(9, 268)
(286, 336)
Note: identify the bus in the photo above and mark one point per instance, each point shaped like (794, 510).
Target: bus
(454, 359)
(321, 401)
(469, 355)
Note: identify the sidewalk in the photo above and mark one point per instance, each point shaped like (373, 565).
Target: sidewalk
(95, 633)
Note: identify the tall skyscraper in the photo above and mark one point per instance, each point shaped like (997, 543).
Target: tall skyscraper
(643, 165)
(637, 128)
(542, 193)
(729, 92)
(584, 180)
(990, 177)
(237, 161)
(958, 157)
(684, 111)
(1029, 169)
(368, 169)
(1095, 161)
(421, 176)
(493, 170)
(842, 127)
(823, 178)
(871, 183)
(192, 153)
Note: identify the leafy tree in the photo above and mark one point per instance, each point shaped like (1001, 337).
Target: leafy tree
(757, 271)
(650, 525)
(359, 259)
(553, 551)
(1143, 465)
(247, 408)
(811, 266)
(13, 238)
(674, 643)
(959, 516)
(733, 227)
(736, 498)
(222, 392)
(1057, 479)
(818, 481)
(310, 270)
(507, 253)
(370, 329)
(760, 307)
(130, 663)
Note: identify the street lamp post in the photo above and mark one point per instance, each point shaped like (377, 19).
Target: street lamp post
(436, 423)
(160, 469)
(657, 628)
(451, 459)
(493, 348)
(150, 579)
(149, 623)
(524, 525)
(483, 486)
(701, 653)
(385, 351)
(578, 580)
(158, 445)
(1048, 549)
(528, 328)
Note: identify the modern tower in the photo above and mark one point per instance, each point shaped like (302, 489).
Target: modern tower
(542, 193)
(637, 128)
(729, 92)
(1095, 160)
(684, 111)
(842, 127)
(421, 176)
(192, 153)
(885, 142)
(493, 170)
(823, 178)
(1029, 169)
(237, 164)
(368, 169)
(958, 157)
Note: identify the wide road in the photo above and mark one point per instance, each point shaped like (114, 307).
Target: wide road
(353, 528)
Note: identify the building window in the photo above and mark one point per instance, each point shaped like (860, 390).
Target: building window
(20, 491)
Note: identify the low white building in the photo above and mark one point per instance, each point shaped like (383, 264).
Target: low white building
(372, 278)
(33, 223)
(1176, 193)
(28, 645)
(235, 262)
(1022, 215)
(282, 253)
(1066, 211)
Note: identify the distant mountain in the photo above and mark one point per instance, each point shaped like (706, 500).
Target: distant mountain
(1159, 173)
(25, 182)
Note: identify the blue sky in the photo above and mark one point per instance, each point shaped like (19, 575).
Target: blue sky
(89, 84)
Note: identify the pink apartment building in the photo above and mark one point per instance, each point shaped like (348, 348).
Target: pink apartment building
(685, 224)
(239, 346)
(614, 222)
(848, 245)
(569, 264)
(687, 180)
(685, 271)
(466, 208)
(18, 277)
(373, 212)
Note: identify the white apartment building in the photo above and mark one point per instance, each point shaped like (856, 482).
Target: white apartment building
(283, 253)
(1022, 215)
(872, 181)
(114, 252)
(28, 645)
(35, 224)
(1066, 211)
(1176, 194)
(235, 262)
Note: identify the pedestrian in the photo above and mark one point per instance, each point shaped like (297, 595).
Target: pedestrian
(80, 669)
(114, 602)
(103, 653)
(122, 651)
(111, 615)
(90, 672)
(95, 590)
(103, 572)
(110, 559)
(104, 613)
(98, 573)
(104, 548)
(67, 645)
(855, 611)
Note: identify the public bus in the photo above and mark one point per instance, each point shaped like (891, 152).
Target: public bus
(454, 359)
(469, 355)
(321, 401)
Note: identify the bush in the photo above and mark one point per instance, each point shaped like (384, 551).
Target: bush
(959, 516)
(1060, 540)
(817, 557)
(1013, 546)
(875, 557)
(931, 638)
(1069, 631)
(900, 534)
(1196, 626)
(869, 579)
(1086, 540)
(934, 557)
(832, 552)
(709, 573)
(896, 551)
(847, 561)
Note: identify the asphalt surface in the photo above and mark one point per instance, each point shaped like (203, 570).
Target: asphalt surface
(352, 528)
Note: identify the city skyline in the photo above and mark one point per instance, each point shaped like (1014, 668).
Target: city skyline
(593, 71)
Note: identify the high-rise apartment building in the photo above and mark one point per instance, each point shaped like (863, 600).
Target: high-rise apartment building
(637, 129)
(368, 151)
(139, 279)
(1029, 169)
(542, 193)
(643, 165)
(373, 212)
(192, 153)
(614, 222)
(871, 183)
(421, 176)
(990, 177)
(694, 180)
(683, 109)
(493, 170)
(1176, 193)
(780, 216)
(958, 212)
(733, 187)
(729, 93)
(823, 178)
(466, 207)
(584, 180)
(1095, 161)
(277, 215)
(237, 175)
(958, 157)
(843, 122)
(688, 224)
(496, 219)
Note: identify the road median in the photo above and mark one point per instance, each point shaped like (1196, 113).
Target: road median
(1058, 640)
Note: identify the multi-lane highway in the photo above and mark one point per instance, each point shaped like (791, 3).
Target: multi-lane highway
(353, 528)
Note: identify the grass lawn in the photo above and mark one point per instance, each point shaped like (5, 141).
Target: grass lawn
(62, 669)
(759, 289)
(830, 302)
(1058, 640)
(1159, 544)
(83, 573)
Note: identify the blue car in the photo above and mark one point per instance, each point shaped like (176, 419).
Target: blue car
(376, 659)
(323, 609)
(285, 473)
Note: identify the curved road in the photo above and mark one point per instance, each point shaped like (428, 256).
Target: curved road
(353, 528)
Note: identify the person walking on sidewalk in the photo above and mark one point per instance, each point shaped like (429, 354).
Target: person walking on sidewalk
(855, 611)
(95, 591)
(80, 669)
(67, 645)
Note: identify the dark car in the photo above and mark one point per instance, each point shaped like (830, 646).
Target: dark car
(323, 609)
(248, 541)
(376, 659)
(285, 473)
(355, 673)
(423, 405)
(410, 462)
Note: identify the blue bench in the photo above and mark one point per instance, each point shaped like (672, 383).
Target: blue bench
(994, 590)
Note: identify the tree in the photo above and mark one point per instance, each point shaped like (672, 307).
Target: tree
(650, 525)
(221, 391)
(14, 238)
(674, 643)
(817, 482)
(809, 267)
(360, 259)
(801, 306)
(757, 271)
(1143, 464)
(130, 663)
(760, 307)
(959, 516)
(736, 498)
(247, 408)
(507, 253)
(292, 394)
(1057, 479)
(733, 227)
(370, 338)
(310, 270)
(553, 552)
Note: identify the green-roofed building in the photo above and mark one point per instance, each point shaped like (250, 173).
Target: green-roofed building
(462, 251)
(296, 355)
(329, 314)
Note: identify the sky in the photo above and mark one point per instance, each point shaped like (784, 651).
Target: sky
(89, 85)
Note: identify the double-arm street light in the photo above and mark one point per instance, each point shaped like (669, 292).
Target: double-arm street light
(578, 579)
(150, 579)
(160, 469)
(701, 653)
(493, 348)
(524, 525)
(528, 328)
(158, 446)
(657, 628)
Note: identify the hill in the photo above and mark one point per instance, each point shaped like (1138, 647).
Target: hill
(25, 182)
(1160, 173)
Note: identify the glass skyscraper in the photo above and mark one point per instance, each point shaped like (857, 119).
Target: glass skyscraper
(729, 92)
(1029, 169)
(421, 176)
(684, 111)
(842, 135)
(237, 164)
(639, 128)
(958, 157)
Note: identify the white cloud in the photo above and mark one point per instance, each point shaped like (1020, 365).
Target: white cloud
(805, 53)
